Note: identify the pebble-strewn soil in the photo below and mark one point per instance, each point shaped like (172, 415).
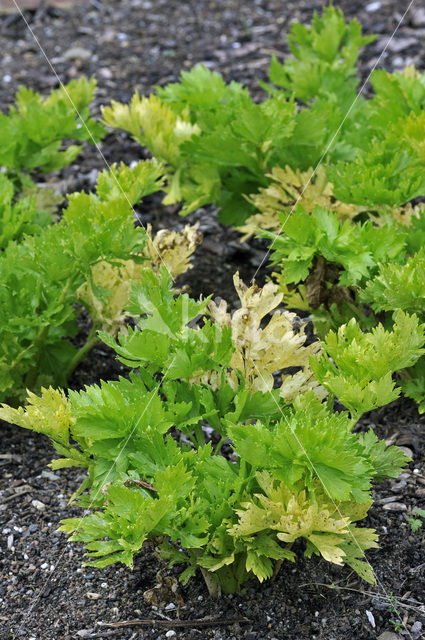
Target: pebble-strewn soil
(45, 594)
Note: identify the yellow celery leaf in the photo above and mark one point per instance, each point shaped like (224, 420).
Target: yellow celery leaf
(291, 514)
(328, 547)
(355, 510)
(411, 72)
(124, 116)
(288, 189)
(152, 123)
(211, 379)
(108, 312)
(261, 300)
(300, 382)
(263, 349)
(167, 247)
(405, 214)
(360, 539)
(49, 413)
(173, 248)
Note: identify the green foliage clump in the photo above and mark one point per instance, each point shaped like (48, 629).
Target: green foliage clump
(388, 165)
(358, 251)
(341, 270)
(215, 139)
(19, 217)
(354, 358)
(35, 137)
(219, 144)
(355, 250)
(324, 57)
(41, 277)
(415, 522)
(34, 130)
(293, 470)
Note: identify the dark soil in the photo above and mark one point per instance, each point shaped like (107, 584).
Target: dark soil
(45, 593)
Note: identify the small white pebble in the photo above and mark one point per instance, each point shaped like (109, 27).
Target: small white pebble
(170, 606)
(373, 6)
(370, 618)
(170, 634)
(7, 78)
(394, 506)
(38, 505)
(105, 73)
(104, 585)
(44, 565)
(398, 61)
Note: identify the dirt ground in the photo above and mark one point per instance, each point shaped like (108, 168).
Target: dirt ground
(45, 593)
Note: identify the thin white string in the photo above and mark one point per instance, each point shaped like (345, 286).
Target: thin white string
(313, 173)
(64, 89)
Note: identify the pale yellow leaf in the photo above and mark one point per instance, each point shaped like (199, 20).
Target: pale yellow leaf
(152, 123)
(173, 248)
(49, 413)
(287, 190)
(265, 347)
